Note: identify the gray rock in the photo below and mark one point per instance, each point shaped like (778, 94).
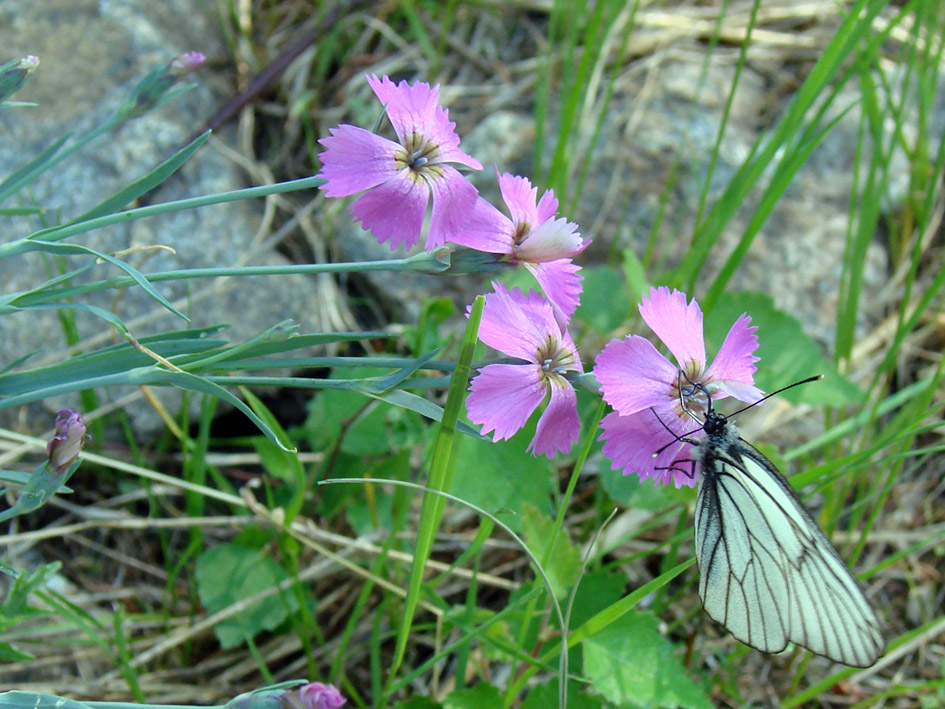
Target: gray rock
(92, 54)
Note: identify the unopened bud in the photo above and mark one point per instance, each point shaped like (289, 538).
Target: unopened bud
(316, 695)
(180, 66)
(152, 89)
(14, 74)
(64, 447)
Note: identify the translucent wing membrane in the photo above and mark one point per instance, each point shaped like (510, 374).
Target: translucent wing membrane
(767, 573)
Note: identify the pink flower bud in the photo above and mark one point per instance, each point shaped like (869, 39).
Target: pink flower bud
(64, 447)
(316, 695)
(183, 64)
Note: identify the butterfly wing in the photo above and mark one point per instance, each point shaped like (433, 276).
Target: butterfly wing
(767, 573)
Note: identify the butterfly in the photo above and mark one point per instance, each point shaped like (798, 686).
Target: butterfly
(767, 572)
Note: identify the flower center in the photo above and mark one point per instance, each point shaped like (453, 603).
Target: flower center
(555, 359)
(419, 155)
(522, 232)
(691, 397)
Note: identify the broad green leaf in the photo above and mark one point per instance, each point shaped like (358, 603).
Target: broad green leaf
(605, 302)
(630, 491)
(383, 429)
(418, 703)
(330, 409)
(501, 476)
(545, 695)
(596, 591)
(482, 695)
(229, 573)
(564, 560)
(786, 353)
(631, 664)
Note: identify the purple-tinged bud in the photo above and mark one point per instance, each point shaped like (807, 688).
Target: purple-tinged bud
(64, 447)
(14, 73)
(316, 695)
(153, 89)
(180, 66)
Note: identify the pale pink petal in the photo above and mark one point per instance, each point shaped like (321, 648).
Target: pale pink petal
(734, 365)
(503, 396)
(551, 240)
(486, 229)
(394, 210)
(562, 286)
(559, 427)
(415, 110)
(547, 207)
(631, 442)
(454, 199)
(516, 324)
(748, 393)
(520, 197)
(356, 160)
(566, 343)
(678, 325)
(634, 377)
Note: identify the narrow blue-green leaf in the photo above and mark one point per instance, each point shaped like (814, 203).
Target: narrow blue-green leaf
(185, 380)
(73, 249)
(438, 481)
(31, 169)
(30, 700)
(18, 477)
(424, 407)
(22, 298)
(108, 361)
(379, 385)
(145, 184)
(106, 315)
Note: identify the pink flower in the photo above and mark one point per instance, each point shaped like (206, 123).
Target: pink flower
(533, 237)
(503, 396)
(400, 178)
(64, 447)
(654, 400)
(316, 695)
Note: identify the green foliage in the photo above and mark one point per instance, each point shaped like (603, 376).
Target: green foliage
(453, 623)
(501, 477)
(482, 695)
(605, 302)
(546, 695)
(597, 591)
(631, 664)
(229, 574)
(786, 353)
(15, 609)
(564, 559)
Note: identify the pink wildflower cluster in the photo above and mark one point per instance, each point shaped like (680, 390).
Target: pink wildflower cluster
(655, 402)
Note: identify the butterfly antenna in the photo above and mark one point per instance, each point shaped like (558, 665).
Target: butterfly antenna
(775, 393)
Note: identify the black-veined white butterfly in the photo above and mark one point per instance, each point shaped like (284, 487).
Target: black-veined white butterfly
(767, 572)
